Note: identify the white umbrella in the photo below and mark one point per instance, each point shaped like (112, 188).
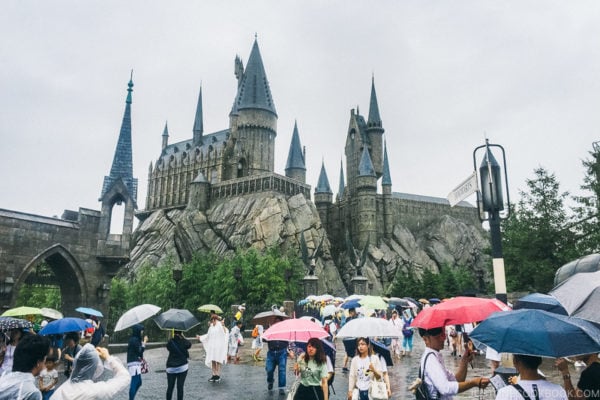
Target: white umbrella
(136, 315)
(51, 313)
(313, 319)
(369, 327)
(329, 310)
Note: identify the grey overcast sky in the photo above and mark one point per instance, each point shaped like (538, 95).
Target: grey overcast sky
(525, 73)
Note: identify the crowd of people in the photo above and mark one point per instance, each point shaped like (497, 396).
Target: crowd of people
(28, 363)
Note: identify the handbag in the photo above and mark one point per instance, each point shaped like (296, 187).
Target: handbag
(377, 390)
(421, 392)
(293, 390)
(355, 394)
(144, 368)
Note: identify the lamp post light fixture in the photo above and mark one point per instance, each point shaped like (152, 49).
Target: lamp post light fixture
(177, 277)
(102, 292)
(490, 203)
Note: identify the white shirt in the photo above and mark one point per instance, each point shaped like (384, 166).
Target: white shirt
(437, 377)
(546, 391)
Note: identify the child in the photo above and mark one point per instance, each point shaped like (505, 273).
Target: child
(257, 343)
(48, 378)
(235, 338)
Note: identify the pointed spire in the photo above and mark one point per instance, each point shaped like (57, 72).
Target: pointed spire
(386, 178)
(198, 121)
(342, 184)
(254, 91)
(365, 168)
(374, 118)
(323, 184)
(165, 136)
(295, 157)
(122, 165)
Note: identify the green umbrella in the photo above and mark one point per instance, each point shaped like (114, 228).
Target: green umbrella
(373, 302)
(20, 311)
(209, 308)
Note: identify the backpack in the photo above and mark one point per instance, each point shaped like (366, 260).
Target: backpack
(255, 331)
(406, 330)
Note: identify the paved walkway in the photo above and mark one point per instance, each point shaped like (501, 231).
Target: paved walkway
(247, 380)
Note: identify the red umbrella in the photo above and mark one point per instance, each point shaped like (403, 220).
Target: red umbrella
(458, 310)
(295, 330)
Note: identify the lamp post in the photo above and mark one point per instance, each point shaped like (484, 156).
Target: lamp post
(177, 277)
(6, 287)
(288, 277)
(490, 203)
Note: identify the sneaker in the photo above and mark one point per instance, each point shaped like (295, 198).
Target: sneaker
(281, 391)
(345, 369)
(270, 386)
(212, 378)
(217, 379)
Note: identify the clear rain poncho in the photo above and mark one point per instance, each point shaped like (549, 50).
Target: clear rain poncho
(87, 365)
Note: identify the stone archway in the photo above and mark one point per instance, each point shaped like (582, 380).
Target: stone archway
(68, 273)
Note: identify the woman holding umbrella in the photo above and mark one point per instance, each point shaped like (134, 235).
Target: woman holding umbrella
(8, 351)
(177, 364)
(215, 345)
(363, 368)
(312, 367)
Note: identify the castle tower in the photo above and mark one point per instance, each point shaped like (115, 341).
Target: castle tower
(356, 140)
(165, 136)
(386, 187)
(342, 185)
(199, 193)
(295, 167)
(375, 131)
(119, 187)
(250, 149)
(198, 122)
(366, 202)
(323, 196)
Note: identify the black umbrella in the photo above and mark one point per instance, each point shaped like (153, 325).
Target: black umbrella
(383, 350)
(268, 318)
(540, 301)
(177, 319)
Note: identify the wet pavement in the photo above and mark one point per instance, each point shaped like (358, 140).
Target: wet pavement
(247, 380)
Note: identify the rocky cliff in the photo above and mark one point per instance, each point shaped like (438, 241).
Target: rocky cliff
(268, 219)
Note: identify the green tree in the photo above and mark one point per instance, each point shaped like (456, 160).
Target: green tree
(587, 209)
(535, 239)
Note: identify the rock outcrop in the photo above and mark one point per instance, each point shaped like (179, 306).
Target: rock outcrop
(263, 220)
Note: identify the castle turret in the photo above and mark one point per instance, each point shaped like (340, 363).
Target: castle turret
(165, 136)
(198, 121)
(323, 196)
(253, 119)
(295, 167)
(199, 193)
(366, 201)
(386, 187)
(119, 187)
(375, 131)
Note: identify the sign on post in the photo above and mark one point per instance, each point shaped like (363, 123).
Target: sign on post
(464, 190)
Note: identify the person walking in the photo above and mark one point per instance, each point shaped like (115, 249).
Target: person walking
(215, 346)
(8, 352)
(364, 367)
(313, 371)
(396, 342)
(530, 383)
(72, 347)
(177, 364)
(28, 362)
(588, 386)
(407, 333)
(348, 356)
(235, 340)
(439, 382)
(277, 354)
(257, 343)
(89, 366)
(135, 353)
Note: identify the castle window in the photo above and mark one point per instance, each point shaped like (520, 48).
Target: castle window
(188, 146)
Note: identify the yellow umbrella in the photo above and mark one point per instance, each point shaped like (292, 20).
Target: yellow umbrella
(209, 308)
(20, 311)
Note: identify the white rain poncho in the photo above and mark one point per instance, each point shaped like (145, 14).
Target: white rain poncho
(88, 367)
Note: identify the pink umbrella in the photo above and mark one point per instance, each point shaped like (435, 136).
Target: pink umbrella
(456, 311)
(295, 330)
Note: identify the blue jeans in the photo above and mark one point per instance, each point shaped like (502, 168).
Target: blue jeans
(276, 358)
(46, 395)
(136, 382)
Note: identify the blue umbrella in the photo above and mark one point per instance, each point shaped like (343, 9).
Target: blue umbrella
(89, 311)
(65, 325)
(540, 301)
(354, 303)
(538, 333)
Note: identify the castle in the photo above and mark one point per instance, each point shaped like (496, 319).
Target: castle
(208, 168)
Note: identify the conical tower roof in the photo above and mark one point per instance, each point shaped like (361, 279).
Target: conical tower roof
(323, 183)
(374, 118)
(295, 158)
(198, 120)
(122, 165)
(254, 91)
(365, 168)
(342, 183)
(386, 179)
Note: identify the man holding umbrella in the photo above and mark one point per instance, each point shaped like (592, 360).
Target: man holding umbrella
(588, 386)
(439, 382)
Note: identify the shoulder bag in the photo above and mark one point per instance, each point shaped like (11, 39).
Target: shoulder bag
(377, 389)
(421, 392)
